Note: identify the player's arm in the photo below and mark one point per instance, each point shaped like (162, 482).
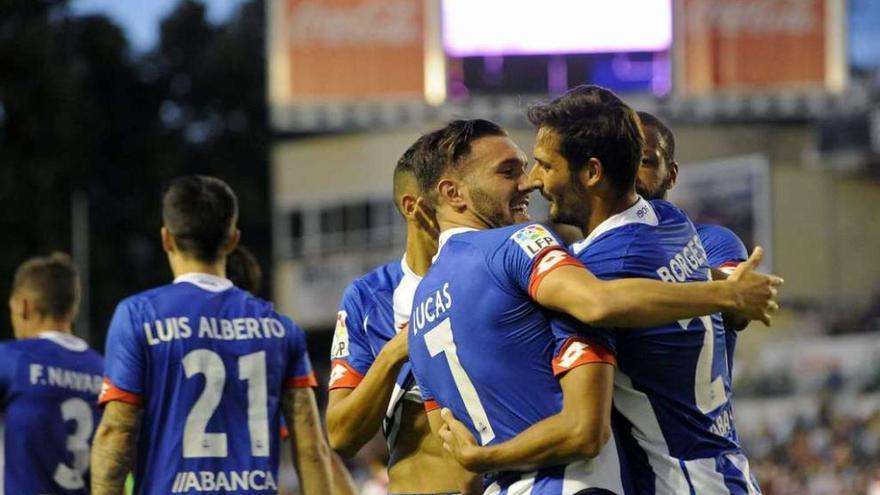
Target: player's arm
(113, 447)
(469, 482)
(311, 454)
(579, 430)
(643, 303)
(354, 415)
(340, 477)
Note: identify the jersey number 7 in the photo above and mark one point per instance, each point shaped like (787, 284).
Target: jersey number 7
(439, 340)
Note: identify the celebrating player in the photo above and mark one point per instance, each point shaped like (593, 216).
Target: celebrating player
(481, 346)
(198, 372)
(49, 384)
(672, 389)
(370, 380)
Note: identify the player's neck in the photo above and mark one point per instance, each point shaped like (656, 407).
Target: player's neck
(420, 248)
(181, 265)
(45, 325)
(451, 219)
(603, 208)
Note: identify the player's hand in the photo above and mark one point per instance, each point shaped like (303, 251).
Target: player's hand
(427, 217)
(398, 346)
(457, 439)
(756, 292)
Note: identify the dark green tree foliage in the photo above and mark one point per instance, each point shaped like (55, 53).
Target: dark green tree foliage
(79, 111)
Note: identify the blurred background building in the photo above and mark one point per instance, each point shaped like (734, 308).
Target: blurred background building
(304, 106)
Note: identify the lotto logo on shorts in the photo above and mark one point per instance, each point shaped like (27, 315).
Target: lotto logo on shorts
(533, 238)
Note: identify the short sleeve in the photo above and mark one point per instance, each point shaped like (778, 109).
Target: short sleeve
(125, 358)
(576, 344)
(350, 353)
(724, 249)
(529, 255)
(299, 372)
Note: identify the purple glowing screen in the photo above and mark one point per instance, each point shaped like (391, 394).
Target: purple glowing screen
(528, 27)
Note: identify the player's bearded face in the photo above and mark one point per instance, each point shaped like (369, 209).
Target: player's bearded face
(498, 210)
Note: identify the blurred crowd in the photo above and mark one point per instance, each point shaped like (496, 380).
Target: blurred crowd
(837, 452)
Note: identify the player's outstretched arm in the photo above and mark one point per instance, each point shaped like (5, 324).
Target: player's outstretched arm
(469, 482)
(639, 303)
(113, 447)
(579, 431)
(355, 415)
(311, 454)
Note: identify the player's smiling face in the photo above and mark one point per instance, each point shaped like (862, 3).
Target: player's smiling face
(654, 177)
(552, 174)
(495, 178)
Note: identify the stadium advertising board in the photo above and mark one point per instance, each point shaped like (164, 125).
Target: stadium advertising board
(346, 50)
(759, 44)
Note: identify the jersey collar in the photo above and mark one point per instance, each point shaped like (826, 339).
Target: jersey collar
(206, 281)
(446, 234)
(640, 212)
(65, 340)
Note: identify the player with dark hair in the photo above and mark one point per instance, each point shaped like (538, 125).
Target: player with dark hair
(480, 341)
(199, 372)
(49, 384)
(243, 269)
(371, 385)
(672, 414)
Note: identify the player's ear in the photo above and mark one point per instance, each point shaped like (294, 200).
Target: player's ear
(673, 174)
(592, 172)
(408, 205)
(451, 193)
(167, 240)
(234, 239)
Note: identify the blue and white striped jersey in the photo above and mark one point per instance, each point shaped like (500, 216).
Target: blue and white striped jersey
(672, 412)
(480, 346)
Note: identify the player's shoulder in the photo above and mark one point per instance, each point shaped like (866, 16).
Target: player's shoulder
(139, 300)
(716, 233)
(381, 279)
(531, 237)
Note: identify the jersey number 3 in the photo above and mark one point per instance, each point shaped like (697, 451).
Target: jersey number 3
(251, 368)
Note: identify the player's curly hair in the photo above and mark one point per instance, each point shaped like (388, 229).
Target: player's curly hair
(444, 148)
(592, 122)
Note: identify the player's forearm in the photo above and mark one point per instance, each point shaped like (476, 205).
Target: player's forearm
(113, 448)
(558, 439)
(354, 420)
(311, 454)
(341, 478)
(639, 303)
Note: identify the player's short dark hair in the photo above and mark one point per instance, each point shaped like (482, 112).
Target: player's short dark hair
(650, 120)
(243, 269)
(591, 121)
(405, 169)
(200, 212)
(444, 148)
(53, 281)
